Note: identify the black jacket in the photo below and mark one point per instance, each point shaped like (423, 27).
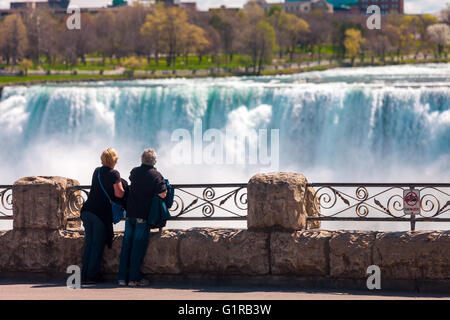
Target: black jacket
(98, 203)
(146, 181)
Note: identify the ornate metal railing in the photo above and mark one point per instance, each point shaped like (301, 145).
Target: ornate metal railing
(380, 202)
(191, 201)
(346, 202)
(5, 202)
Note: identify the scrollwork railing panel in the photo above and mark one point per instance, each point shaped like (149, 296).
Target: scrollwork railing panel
(228, 201)
(380, 202)
(337, 201)
(193, 202)
(6, 205)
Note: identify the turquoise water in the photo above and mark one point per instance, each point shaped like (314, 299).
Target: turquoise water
(361, 124)
(381, 124)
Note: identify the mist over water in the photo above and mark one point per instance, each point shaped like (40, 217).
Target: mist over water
(381, 124)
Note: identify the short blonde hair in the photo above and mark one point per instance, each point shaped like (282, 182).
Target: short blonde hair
(109, 157)
(149, 157)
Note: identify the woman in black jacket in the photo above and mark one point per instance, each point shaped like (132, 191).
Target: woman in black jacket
(96, 215)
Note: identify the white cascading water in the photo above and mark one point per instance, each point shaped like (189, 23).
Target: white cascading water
(383, 124)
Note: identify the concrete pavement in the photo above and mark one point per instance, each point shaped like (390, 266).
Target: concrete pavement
(17, 290)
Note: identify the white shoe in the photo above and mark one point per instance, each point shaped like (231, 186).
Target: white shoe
(122, 283)
(141, 283)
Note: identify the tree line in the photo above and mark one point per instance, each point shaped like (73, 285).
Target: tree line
(132, 34)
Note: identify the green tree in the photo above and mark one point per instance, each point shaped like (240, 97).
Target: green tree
(297, 28)
(279, 20)
(175, 23)
(104, 26)
(42, 32)
(127, 36)
(14, 40)
(226, 24)
(401, 40)
(131, 64)
(320, 31)
(194, 41)
(267, 43)
(399, 33)
(377, 44)
(352, 43)
(339, 35)
(258, 38)
(25, 64)
(153, 31)
(76, 44)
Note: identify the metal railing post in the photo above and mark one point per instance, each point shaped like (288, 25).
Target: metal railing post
(413, 215)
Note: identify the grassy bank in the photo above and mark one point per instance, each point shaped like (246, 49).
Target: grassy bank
(36, 79)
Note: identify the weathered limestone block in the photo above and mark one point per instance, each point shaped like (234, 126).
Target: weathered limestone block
(41, 202)
(421, 255)
(162, 253)
(280, 200)
(40, 250)
(68, 249)
(224, 251)
(33, 250)
(6, 249)
(351, 254)
(301, 253)
(161, 256)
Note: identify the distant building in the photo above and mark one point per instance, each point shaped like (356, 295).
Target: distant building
(169, 2)
(59, 4)
(119, 3)
(52, 4)
(385, 5)
(28, 5)
(189, 6)
(298, 6)
(344, 5)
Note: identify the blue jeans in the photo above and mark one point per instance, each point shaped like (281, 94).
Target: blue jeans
(95, 239)
(134, 247)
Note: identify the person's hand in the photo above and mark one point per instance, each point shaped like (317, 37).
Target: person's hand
(163, 194)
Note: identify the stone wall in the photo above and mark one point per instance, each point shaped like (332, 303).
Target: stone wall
(419, 259)
(334, 255)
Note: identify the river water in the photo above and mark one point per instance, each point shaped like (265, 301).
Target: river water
(372, 124)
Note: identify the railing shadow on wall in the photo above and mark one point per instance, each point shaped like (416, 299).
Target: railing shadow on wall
(354, 202)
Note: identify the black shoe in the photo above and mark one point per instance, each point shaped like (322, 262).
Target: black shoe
(96, 280)
(89, 281)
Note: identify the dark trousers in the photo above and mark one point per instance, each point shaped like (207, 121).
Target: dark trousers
(95, 238)
(134, 247)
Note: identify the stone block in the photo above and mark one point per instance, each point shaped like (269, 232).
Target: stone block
(41, 202)
(301, 253)
(421, 255)
(281, 201)
(351, 254)
(224, 251)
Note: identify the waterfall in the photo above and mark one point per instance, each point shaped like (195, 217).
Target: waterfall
(381, 124)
